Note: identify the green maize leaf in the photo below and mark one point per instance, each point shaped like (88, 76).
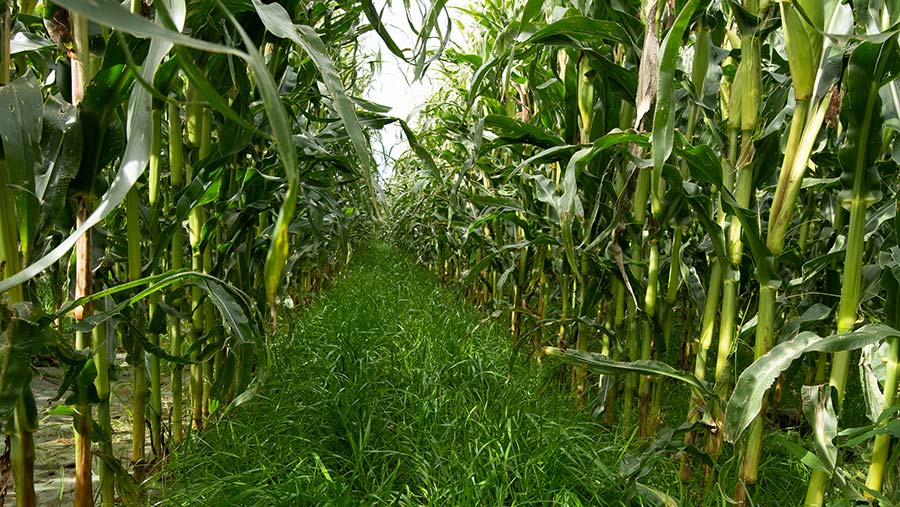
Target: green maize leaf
(20, 131)
(225, 376)
(279, 23)
(417, 148)
(423, 60)
(838, 21)
(748, 22)
(862, 112)
(166, 80)
(24, 42)
(815, 313)
(798, 451)
(570, 208)
(512, 131)
(746, 401)
(616, 137)
(890, 281)
(533, 9)
(881, 17)
(560, 153)
(203, 189)
(61, 148)
(247, 394)
(814, 11)
(622, 81)
(602, 364)
(580, 29)
(374, 18)
(705, 166)
(372, 107)
(235, 307)
(816, 265)
(15, 367)
(477, 133)
(246, 356)
(137, 151)
(703, 210)
(208, 92)
(506, 204)
(549, 155)
(487, 259)
(663, 134)
(818, 182)
(129, 491)
(479, 77)
(802, 50)
(105, 93)
(821, 18)
(640, 463)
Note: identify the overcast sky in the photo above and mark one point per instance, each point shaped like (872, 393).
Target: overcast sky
(395, 87)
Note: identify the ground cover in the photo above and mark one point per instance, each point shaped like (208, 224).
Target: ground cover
(54, 459)
(389, 389)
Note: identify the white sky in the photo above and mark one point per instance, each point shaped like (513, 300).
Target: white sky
(395, 86)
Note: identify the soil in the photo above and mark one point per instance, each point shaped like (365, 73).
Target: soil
(54, 474)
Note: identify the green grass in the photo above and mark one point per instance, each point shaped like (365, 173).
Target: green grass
(388, 391)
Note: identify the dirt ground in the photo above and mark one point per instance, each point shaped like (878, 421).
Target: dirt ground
(55, 442)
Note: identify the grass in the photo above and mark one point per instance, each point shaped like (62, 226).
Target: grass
(388, 391)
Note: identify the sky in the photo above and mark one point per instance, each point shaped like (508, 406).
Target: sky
(395, 87)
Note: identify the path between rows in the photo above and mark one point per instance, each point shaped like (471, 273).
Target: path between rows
(389, 389)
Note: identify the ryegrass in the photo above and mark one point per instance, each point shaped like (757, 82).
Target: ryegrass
(388, 391)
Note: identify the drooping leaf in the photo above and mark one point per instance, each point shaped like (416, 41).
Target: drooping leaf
(602, 364)
(872, 362)
(820, 414)
(425, 56)
(235, 308)
(128, 489)
(746, 400)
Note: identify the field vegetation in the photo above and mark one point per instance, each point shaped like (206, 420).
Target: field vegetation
(662, 238)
